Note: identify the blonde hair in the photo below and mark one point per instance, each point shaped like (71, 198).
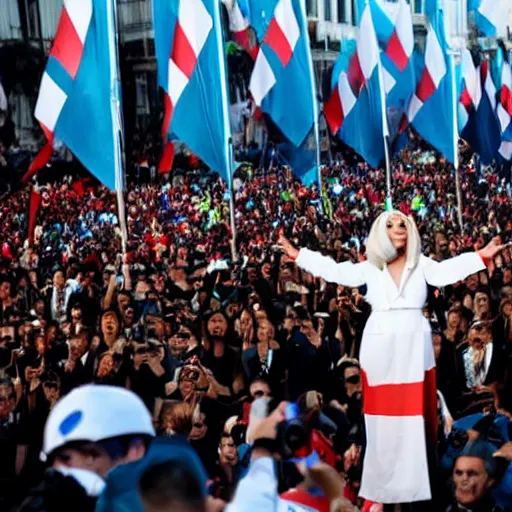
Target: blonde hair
(379, 248)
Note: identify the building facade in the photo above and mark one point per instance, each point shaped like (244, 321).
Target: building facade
(32, 23)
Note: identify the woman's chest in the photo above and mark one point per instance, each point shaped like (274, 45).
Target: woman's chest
(407, 287)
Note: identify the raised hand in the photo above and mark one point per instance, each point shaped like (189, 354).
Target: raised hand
(286, 246)
(492, 249)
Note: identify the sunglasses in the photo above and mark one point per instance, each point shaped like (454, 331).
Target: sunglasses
(353, 379)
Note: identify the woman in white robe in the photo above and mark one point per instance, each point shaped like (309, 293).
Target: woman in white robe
(397, 358)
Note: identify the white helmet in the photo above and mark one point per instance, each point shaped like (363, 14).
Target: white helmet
(94, 412)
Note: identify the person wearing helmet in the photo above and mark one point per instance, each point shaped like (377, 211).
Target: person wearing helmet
(89, 432)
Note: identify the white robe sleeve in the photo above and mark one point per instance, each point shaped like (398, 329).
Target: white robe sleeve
(452, 270)
(346, 273)
(257, 491)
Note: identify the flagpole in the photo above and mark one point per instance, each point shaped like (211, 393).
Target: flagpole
(385, 133)
(316, 113)
(456, 162)
(227, 125)
(117, 123)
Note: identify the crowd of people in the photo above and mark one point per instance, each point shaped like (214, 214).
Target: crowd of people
(199, 336)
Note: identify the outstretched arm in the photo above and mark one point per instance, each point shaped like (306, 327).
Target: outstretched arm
(456, 269)
(347, 273)
(452, 270)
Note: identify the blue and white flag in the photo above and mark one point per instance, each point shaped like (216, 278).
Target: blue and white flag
(75, 98)
(431, 109)
(192, 74)
(504, 109)
(490, 16)
(354, 109)
(281, 82)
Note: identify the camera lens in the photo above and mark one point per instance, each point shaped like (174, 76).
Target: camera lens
(295, 435)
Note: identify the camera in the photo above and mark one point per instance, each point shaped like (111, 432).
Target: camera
(293, 435)
(293, 438)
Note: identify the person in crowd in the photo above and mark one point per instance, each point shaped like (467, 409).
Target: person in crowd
(200, 337)
(396, 275)
(474, 476)
(89, 432)
(480, 359)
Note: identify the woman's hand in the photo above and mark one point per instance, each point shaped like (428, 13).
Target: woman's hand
(290, 251)
(492, 249)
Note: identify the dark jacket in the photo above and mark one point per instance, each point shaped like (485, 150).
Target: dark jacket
(58, 493)
(121, 493)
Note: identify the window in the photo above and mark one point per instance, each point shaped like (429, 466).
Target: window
(33, 22)
(327, 10)
(341, 11)
(417, 6)
(354, 11)
(141, 86)
(311, 9)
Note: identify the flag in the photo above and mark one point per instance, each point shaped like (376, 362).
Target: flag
(167, 158)
(399, 70)
(488, 133)
(239, 24)
(431, 109)
(192, 75)
(354, 109)
(281, 82)
(396, 41)
(504, 110)
(478, 121)
(490, 16)
(470, 94)
(302, 159)
(75, 103)
(33, 208)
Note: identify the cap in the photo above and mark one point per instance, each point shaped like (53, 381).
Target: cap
(93, 413)
(481, 450)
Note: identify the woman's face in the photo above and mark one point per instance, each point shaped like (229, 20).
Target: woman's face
(245, 321)
(186, 387)
(217, 326)
(199, 427)
(397, 231)
(5, 291)
(264, 331)
(58, 279)
(482, 303)
(51, 334)
(7, 401)
(106, 365)
(260, 316)
(40, 345)
(507, 309)
(109, 325)
(177, 345)
(453, 320)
